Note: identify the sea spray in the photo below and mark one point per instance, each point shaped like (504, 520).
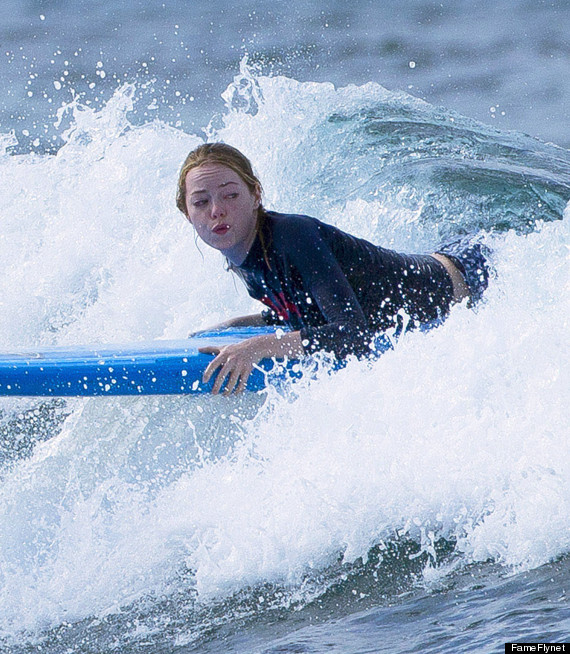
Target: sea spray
(456, 434)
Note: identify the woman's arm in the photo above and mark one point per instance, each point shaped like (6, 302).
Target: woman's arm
(235, 362)
(253, 320)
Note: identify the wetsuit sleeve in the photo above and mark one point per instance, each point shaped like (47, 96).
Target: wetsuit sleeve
(346, 330)
(270, 317)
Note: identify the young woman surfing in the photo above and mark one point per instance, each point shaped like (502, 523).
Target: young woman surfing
(333, 291)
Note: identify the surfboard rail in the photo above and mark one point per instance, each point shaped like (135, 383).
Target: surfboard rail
(159, 367)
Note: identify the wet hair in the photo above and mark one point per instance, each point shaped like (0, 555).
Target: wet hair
(230, 157)
(217, 153)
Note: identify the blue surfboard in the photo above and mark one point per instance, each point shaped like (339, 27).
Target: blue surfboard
(146, 368)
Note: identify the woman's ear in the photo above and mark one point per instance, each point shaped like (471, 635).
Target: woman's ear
(257, 195)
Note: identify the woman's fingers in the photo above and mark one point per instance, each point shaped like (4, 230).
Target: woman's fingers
(231, 365)
(234, 378)
(210, 349)
(225, 370)
(214, 364)
(243, 380)
(237, 381)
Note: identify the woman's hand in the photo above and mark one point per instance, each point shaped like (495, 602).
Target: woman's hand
(235, 362)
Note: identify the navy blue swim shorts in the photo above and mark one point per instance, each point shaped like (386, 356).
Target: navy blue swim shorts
(471, 257)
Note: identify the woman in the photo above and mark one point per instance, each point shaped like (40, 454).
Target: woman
(333, 291)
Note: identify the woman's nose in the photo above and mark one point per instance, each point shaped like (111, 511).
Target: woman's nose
(217, 209)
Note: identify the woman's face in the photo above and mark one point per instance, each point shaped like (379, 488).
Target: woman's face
(222, 209)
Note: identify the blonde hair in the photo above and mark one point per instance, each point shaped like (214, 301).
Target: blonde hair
(225, 155)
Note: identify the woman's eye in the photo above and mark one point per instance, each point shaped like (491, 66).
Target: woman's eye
(231, 196)
(200, 203)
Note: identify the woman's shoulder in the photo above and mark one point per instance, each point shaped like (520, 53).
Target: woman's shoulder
(292, 226)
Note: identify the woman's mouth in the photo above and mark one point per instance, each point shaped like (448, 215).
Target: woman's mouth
(220, 229)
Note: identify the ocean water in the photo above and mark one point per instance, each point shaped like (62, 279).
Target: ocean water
(418, 503)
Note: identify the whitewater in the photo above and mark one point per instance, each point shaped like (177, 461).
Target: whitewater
(344, 503)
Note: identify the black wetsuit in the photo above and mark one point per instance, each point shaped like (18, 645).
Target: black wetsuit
(339, 290)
